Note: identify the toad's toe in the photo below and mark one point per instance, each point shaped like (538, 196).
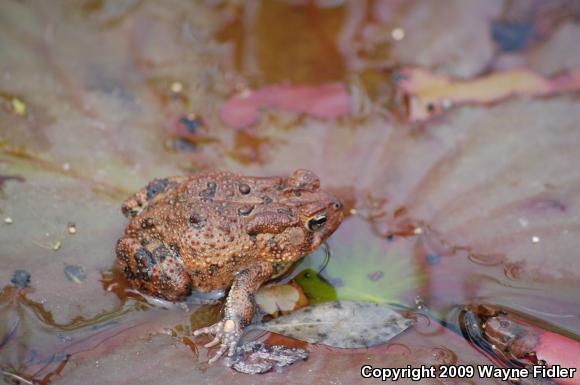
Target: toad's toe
(228, 332)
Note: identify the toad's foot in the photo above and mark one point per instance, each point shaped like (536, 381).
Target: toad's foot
(228, 332)
(239, 309)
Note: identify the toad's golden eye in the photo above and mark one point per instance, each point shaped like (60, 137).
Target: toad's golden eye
(316, 223)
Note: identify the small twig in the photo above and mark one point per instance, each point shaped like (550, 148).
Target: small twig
(16, 376)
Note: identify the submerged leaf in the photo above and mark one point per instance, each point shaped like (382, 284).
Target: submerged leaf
(326, 101)
(430, 94)
(342, 324)
(359, 281)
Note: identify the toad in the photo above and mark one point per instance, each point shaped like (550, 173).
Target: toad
(217, 230)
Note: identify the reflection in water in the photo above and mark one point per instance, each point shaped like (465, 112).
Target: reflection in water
(35, 347)
(277, 41)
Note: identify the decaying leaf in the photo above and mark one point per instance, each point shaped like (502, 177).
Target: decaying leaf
(327, 101)
(259, 358)
(342, 324)
(276, 299)
(430, 94)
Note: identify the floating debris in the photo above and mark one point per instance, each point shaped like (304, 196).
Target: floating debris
(535, 239)
(191, 122)
(512, 36)
(446, 104)
(376, 275)
(257, 357)
(5, 178)
(21, 278)
(8, 220)
(398, 34)
(433, 259)
(57, 245)
(75, 273)
(418, 231)
(72, 228)
(176, 87)
(19, 106)
(419, 303)
(493, 259)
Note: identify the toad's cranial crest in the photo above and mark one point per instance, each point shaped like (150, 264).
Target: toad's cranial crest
(217, 230)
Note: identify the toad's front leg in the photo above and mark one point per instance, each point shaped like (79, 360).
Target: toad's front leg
(239, 309)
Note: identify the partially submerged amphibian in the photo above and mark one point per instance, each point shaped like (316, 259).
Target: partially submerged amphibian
(217, 230)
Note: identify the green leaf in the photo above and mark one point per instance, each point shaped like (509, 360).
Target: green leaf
(316, 288)
(362, 267)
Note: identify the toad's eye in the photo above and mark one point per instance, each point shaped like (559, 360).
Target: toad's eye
(316, 223)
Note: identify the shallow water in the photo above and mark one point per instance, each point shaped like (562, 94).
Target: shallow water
(474, 200)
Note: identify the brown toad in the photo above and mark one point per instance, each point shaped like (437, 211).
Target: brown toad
(218, 230)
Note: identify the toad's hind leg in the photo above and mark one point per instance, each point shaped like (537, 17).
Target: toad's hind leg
(138, 201)
(156, 271)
